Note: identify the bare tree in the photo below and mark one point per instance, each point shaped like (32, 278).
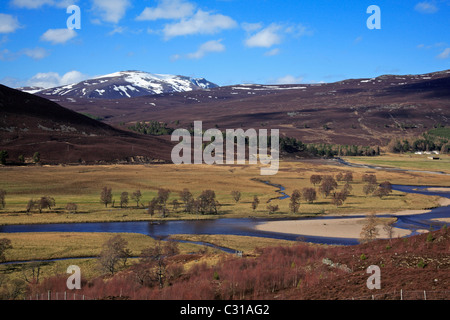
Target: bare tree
(339, 198)
(106, 196)
(294, 203)
(187, 198)
(328, 185)
(124, 199)
(163, 196)
(272, 208)
(369, 178)
(255, 203)
(114, 251)
(369, 188)
(155, 258)
(383, 190)
(315, 179)
(236, 195)
(389, 229)
(309, 194)
(5, 244)
(2, 198)
(71, 207)
(136, 196)
(369, 231)
(348, 177)
(31, 272)
(46, 203)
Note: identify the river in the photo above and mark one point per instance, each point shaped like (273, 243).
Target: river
(231, 226)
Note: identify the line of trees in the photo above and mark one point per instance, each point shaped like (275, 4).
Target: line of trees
(434, 140)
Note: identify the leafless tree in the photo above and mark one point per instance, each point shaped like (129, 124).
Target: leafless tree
(5, 244)
(124, 199)
(155, 258)
(187, 198)
(2, 198)
(106, 196)
(315, 179)
(309, 194)
(114, 251)
(71, 207)
(328, 185)
(136, 196)
(294, 203)
(272, 208)
(369, 231)
(236, 195)
(255, 203)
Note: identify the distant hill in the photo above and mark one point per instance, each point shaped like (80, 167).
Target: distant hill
(30, 124)
(366, 111)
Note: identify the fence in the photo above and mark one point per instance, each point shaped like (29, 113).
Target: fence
(407, 295)
(395, 295)
(58, 296)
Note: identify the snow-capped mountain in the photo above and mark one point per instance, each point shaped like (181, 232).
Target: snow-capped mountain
(127, 84)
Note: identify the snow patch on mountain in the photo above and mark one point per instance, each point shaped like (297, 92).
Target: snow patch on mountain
(128, 84)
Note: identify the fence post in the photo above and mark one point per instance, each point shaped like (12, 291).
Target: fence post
(401, 294)
(49, 295)
(424, 294)
(65, 295)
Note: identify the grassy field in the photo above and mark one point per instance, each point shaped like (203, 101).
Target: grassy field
(407, 161)
(82, 185)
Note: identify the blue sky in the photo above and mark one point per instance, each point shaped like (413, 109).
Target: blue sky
(225, 41)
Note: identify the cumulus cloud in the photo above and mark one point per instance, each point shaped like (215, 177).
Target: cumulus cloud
(54, 79)
(36, 53)
(266, 38)
(35, 4)
(58, 36)
(426, 7)
(444, 54)
(111, 10)
(210, 46)
(8, 23)
(168, 9)
(201, 22)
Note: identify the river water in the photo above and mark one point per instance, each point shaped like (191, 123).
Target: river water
(230, 226)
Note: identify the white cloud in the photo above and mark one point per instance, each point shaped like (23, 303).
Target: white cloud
(289, 79)
(58, 36)
(444, 54)
(272, 52)
(35, 4)
(251, 27)
(111, 10)
(8, 23)
(200, 23)
(426, 7)
(53, 79)
(36, 53)
(266, 38)
(168, 9)
(210, 46)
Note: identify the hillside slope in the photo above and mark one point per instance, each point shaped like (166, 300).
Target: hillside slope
(353, 111)
(30, 124)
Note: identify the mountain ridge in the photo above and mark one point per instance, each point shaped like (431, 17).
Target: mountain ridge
(124, 84)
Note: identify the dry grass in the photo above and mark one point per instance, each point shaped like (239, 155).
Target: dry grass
(82, 185)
